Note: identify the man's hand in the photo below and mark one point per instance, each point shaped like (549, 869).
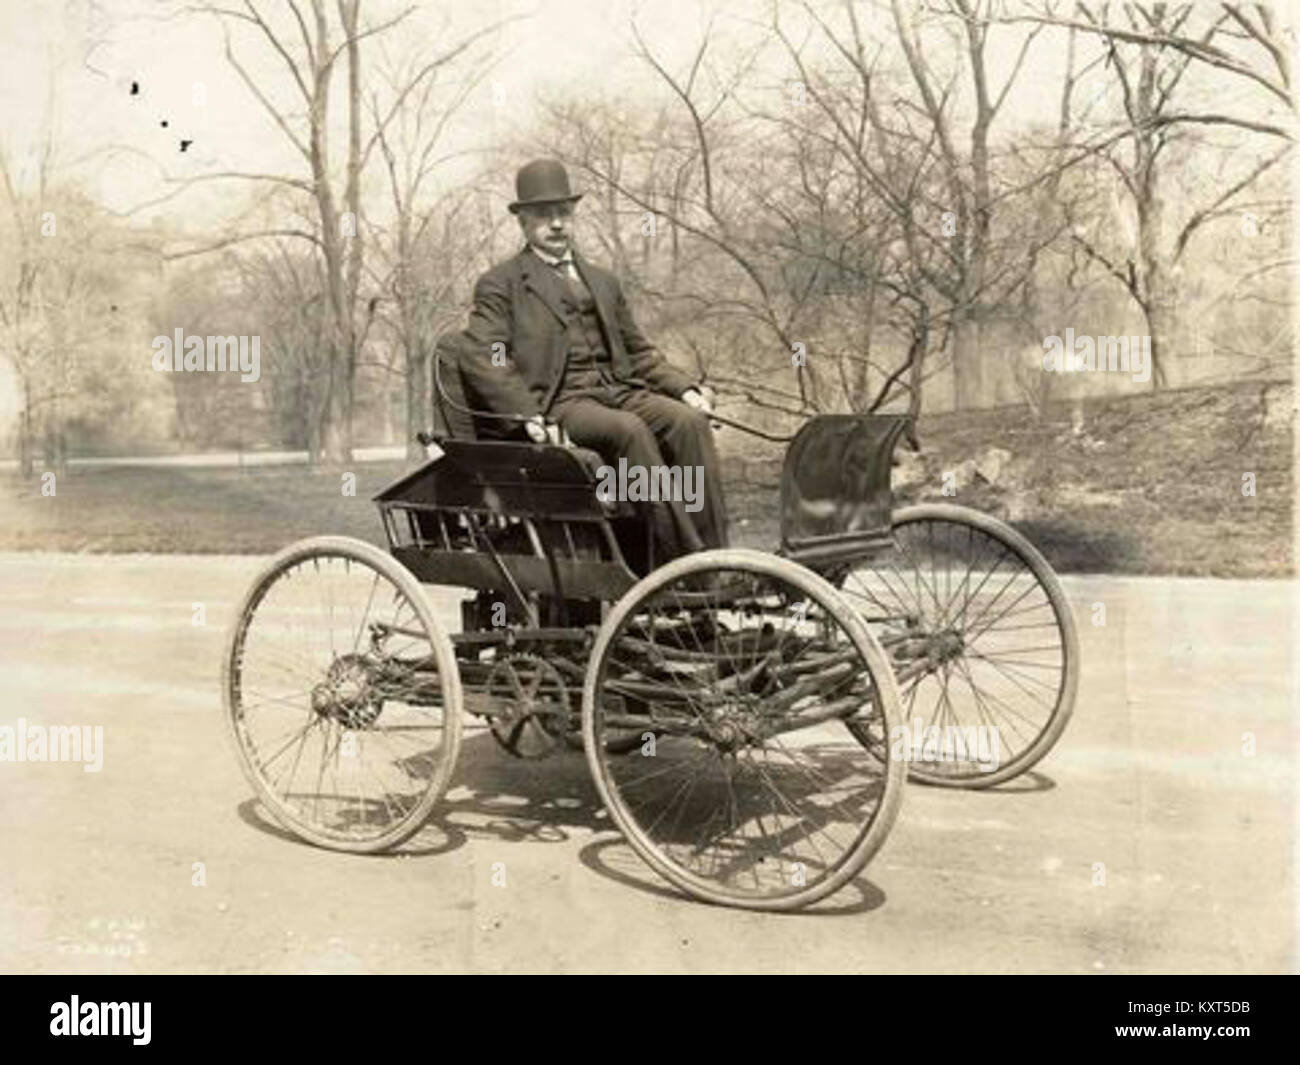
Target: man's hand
(431, 449)
(542, 432)
(700, 398)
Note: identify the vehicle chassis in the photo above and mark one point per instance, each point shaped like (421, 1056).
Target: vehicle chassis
(758, 683)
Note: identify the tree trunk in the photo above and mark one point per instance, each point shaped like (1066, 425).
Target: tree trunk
(862, 379)
(336, 430)
(1150, 216)
(25, 432)
(313, 444)
(340, 256)
(418, 413)
(1160, 325)
(916, 358)
(1156, 301)
(968, 386)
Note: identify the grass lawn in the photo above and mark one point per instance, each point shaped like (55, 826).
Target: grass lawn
(191, 510)
(1153, 485)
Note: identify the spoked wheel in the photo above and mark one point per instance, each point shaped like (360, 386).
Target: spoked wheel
(983, 644)
(342, 695)
(527, 705)
(615, 743)
(753, 792)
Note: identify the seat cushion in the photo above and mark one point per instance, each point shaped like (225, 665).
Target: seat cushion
(514, 479)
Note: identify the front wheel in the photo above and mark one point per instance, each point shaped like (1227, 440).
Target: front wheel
(342, 695)
(744, 675)
(983, 643)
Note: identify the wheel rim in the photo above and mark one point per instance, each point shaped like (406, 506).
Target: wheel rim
(979, 645)
(754, 791)
(336, 700)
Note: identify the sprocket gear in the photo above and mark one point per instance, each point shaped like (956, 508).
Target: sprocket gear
(530, 705)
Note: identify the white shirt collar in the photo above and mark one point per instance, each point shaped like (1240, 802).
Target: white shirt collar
(550, 259)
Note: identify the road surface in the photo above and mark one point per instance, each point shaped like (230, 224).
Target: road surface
(1149, 841)
(207, 459)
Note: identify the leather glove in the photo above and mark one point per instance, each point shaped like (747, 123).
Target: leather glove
(540, 431)
(700, 398)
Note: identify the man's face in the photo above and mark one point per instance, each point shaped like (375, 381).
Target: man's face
(547, 226)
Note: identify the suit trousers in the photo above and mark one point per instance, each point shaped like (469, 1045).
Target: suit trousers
(650, 429)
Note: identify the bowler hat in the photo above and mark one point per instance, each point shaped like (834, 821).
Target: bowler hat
(542, 181)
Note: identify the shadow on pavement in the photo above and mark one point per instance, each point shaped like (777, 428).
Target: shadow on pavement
(498, 797)
(614, 860)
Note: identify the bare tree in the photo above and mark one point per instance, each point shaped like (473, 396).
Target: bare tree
(310, 45)
(430, 245)
(1150, 50)
(696, 175)
(887, 108)
(65, 281)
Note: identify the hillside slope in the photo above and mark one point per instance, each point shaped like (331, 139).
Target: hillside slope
(1147, 484)
(1151, 483)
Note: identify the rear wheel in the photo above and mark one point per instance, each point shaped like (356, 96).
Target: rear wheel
(342, 695)
(983, 643)
(742, 672)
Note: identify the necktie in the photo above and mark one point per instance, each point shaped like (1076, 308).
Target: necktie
(573, 282)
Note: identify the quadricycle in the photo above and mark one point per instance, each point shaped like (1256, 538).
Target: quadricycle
(749, 718)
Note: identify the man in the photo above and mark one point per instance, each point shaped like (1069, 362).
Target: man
(551, 338)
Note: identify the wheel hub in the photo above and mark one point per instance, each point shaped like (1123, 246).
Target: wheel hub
(347, 694)
(733, 726)
(933, 648)
(945, 646)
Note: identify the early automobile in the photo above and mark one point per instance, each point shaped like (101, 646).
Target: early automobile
(749, 718)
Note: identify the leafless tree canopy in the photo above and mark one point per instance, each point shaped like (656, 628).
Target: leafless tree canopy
(843, 205)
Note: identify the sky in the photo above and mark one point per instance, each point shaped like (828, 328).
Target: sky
(117, 140)
(68, 65)
(97, 49)
(71, 63)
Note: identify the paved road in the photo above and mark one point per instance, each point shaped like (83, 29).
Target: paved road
(97, 871)
(222, 458)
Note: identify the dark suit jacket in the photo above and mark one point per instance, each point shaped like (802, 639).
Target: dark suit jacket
(518, 303)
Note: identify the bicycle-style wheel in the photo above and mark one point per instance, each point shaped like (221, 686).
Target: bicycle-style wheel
(342, 695)
(742, 671)
(983, 642)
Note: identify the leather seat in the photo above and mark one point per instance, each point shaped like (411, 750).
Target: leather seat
(453, 403)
